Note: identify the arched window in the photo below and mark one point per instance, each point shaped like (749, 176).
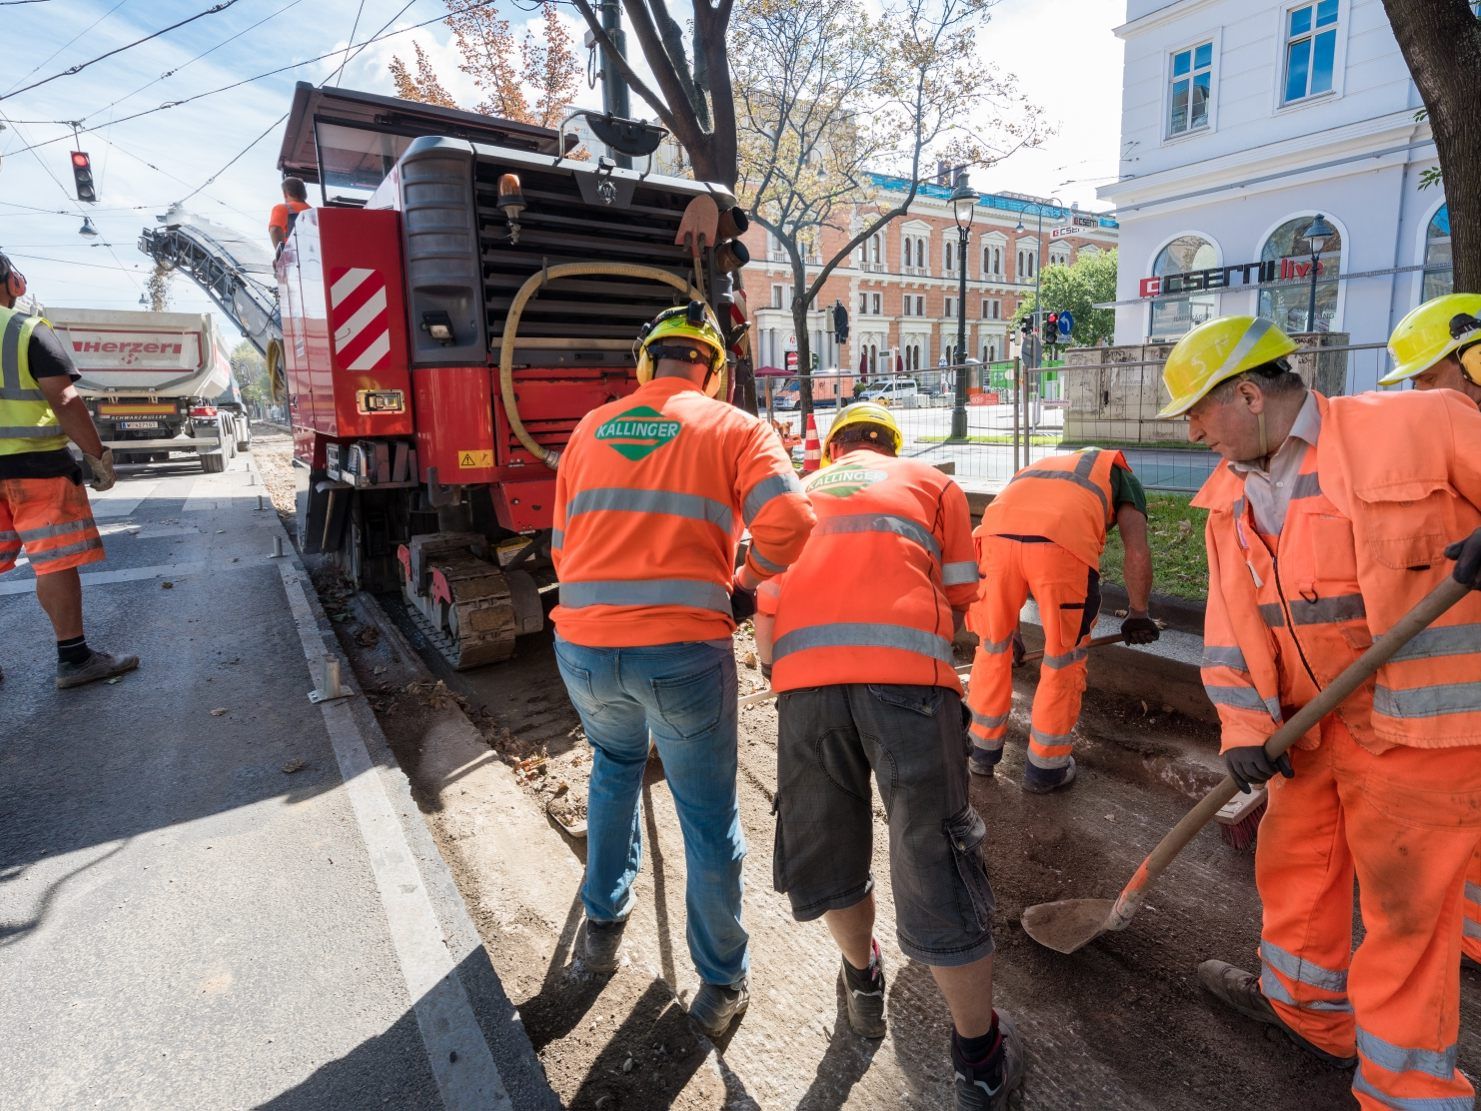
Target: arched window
(1287, 304)
(1438, 279)
(909, 252)
(1019, 271)
(950, 249)
(874, 248)
(1171, 318)
(922, 259)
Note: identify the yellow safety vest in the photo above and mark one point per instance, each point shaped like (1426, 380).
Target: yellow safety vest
(27, 422)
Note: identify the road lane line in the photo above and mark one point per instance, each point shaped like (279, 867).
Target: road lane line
(460, 1059)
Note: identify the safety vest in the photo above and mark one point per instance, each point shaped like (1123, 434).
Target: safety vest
(652, 495)
(1065, 498)
(871, 598)
(1374, 505)
(27, 422)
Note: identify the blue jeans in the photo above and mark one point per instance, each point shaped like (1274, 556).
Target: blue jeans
(684, 694)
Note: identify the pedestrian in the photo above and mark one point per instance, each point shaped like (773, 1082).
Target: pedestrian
(1044, 535)
(1437, 346)
(283, 216)
(1331, 519)
(651, 496)
(43, 507)
(860, 649)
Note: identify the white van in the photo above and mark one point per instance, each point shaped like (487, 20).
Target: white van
(893, 391)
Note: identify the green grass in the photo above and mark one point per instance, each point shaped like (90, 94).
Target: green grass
(1179, 559)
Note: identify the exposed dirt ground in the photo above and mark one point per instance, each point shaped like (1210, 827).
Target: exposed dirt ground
(1122, 1024)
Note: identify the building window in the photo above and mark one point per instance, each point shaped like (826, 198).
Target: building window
(1287, 303)
(992, 259)
(1192, 84)
(1172, 317)
(1438, 279)
(950, 249)
(1311, 49)
(950, 309)
(863, 303)
(922, 255)
(776, 296)
(909, 252)
(875, 247)
(874, 302)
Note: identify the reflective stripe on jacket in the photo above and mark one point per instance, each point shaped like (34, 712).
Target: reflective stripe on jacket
(1065, 498)
(652, 495)
(27, 422)
(1393, 479)
(871, 598)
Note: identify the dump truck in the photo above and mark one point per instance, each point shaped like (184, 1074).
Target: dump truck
(152, 381)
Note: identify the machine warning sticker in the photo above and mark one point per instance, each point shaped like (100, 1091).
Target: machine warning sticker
(468, 459)
(638, 432)
(843, 482)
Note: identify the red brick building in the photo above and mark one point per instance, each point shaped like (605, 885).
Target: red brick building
(900, 287)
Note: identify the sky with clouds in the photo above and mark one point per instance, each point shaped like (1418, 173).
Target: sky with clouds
(144, 164)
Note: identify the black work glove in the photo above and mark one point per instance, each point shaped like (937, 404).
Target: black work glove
(1139, 630)
(1467, 556)
(1020, 649)
(1249, 764)
(766, 672)
(742, 603)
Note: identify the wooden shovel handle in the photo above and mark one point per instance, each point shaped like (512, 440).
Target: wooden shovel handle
(1434, 605)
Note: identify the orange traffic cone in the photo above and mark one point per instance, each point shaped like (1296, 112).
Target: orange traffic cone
(812, 451)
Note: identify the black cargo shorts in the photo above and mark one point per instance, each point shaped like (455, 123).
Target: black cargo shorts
(910, 738)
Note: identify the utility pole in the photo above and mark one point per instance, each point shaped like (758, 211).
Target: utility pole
(614, 88)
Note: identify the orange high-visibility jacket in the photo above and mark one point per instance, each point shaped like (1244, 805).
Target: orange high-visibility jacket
(1393, 479)
(871, 598)
(651, 497)
(1065, 498)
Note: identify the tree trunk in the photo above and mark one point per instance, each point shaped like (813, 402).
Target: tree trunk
(804, 346)
(1441, 42)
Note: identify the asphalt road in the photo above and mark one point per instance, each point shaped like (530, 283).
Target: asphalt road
(213, 893)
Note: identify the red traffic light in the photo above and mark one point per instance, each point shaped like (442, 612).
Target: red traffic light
(80, 160)
(82, 175)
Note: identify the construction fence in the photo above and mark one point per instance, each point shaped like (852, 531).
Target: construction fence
(1105, 396)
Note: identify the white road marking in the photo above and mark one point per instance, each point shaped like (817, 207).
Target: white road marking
(125, 575)
(467, 1076)
(121, 500)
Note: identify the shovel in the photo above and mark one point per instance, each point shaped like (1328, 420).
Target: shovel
(1069, 924)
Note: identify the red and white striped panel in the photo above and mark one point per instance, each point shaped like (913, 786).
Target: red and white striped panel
(358, 317)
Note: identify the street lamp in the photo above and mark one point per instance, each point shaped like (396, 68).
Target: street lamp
(963, 206)
(87, 230)
(1317, 235)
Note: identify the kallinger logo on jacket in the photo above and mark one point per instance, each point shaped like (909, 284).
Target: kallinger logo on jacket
(638, 432)
(843, 482)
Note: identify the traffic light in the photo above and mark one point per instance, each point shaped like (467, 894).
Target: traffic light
(814, 357)
(82, 174)
(1026, 325)
(1051, 329)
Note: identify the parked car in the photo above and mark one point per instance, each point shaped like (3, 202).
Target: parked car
(893, 391)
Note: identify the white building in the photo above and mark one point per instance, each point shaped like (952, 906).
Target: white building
(1241, 120)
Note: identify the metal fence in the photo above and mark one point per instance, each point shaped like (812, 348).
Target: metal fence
(1099, 398)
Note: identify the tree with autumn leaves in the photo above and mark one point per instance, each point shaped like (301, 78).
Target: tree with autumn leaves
(545, 64)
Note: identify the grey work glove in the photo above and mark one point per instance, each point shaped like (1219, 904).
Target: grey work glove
(1250, 765)
(103, 475)
(1139, 630)
(1467, 556)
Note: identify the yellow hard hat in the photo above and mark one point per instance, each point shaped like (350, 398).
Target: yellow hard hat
(1216, 351)
(865, 412)
(694, 323)
(1423, 337)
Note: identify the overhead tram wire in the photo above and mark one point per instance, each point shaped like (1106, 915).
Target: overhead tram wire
(70, 41)
(259, 77)
(339, 73)
(72, 70)
(197, 58)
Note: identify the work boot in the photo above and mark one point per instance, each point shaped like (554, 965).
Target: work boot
(100, 665)
(984, 763)
(716, 1007)
(1241, 990)
(864, 996)
(1041, 782)
(987, 1085)
(599, 952)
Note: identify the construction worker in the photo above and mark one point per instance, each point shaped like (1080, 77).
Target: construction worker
(1437, 346)
(1331, 520)
(857, 638)
(651, 497)
(1044, 535)
(43, 507)
(280, 221)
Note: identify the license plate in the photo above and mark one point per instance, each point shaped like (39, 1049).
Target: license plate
(137, 425)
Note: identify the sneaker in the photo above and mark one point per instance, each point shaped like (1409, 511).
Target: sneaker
(865, 1005)
(1040, 784)
(100, 665)
(974, 1088)
(599, 951)
(1239, 989)
(714, 1007)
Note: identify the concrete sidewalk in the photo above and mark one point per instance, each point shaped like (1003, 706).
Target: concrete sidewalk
(214, 893)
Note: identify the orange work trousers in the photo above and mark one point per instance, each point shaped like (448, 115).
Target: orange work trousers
(1068, 595)
(1405, 823)
(1470, 942)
